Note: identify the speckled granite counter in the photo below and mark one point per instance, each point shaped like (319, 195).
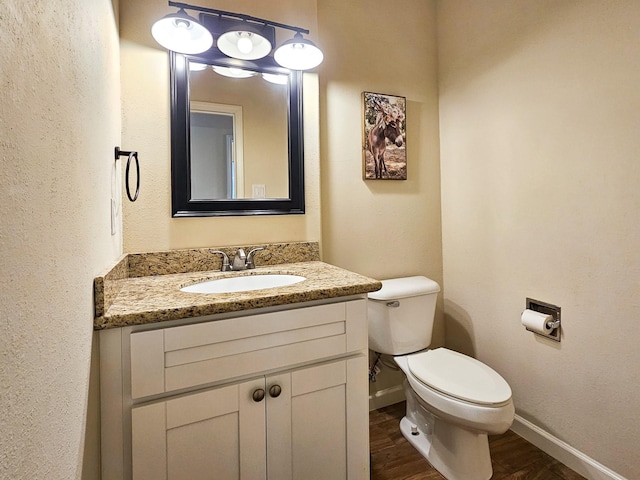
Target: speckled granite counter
(145, 288)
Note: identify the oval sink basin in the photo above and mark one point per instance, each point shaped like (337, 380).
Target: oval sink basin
(243, 284)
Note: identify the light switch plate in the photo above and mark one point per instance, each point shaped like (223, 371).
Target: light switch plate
(259, 190)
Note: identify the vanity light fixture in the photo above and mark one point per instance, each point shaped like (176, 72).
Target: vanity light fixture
(244, 42)
(182, 33)
(236, 35)
(298, 54)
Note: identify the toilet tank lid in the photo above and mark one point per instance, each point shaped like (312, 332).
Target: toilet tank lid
(396, 288)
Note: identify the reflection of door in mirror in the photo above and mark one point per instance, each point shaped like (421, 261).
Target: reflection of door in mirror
(265, 150)
(216, 151)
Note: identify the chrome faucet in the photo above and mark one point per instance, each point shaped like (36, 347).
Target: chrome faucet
(241, 260)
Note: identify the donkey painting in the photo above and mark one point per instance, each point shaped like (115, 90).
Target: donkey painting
(388, 125)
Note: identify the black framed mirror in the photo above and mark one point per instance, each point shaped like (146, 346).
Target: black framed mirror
(190, 197)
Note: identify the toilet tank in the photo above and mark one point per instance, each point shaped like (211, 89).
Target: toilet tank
(401, 315)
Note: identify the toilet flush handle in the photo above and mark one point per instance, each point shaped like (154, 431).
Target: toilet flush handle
(393, 304)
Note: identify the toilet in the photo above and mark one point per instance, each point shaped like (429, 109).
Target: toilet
(453, 401)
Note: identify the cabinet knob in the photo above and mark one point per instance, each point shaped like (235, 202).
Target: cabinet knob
(258, 395)
(275, 391)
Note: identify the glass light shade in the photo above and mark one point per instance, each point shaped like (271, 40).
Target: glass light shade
(298, 54)
(233, 72)
(197, 67)
(182, 33)
(244, 44)
(278, 79)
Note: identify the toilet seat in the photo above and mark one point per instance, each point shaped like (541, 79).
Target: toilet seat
(459, 376)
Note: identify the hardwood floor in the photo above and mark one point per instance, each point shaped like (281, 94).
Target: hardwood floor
(513, 458)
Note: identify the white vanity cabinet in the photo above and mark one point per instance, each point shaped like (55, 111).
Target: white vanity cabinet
(272, 396)
(245, 431)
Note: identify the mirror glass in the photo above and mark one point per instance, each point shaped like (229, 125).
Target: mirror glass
(236, 137)
(226, 110)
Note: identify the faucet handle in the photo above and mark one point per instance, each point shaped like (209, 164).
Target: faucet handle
(250, 262)
(225, 261)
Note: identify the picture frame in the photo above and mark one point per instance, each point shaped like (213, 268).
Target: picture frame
(384, 149)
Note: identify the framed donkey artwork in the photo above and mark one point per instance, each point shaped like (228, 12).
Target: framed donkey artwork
(384, 137)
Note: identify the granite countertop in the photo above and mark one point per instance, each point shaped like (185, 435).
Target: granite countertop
(123, 299)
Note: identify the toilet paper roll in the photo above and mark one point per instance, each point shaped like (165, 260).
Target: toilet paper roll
(536, 321)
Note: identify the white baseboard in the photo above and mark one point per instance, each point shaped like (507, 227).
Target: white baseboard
(386, 397)
(563, 452)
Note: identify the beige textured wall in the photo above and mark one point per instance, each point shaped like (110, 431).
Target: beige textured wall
(59, 123)
(540, 114)
(148, 224)
(380, 228)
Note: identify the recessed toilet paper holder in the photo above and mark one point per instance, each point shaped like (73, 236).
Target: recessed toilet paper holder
(547, 309)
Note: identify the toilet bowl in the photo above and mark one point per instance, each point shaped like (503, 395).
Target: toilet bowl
(451, 432)
(453, 401)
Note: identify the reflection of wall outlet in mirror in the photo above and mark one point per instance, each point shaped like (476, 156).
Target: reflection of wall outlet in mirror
(259, 191)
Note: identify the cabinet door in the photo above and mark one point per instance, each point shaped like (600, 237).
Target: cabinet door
(219, 433)
(317, 426)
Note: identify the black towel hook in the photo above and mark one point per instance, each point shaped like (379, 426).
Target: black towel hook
(119, 153)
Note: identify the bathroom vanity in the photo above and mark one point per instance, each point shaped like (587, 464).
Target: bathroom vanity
(265, 384)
